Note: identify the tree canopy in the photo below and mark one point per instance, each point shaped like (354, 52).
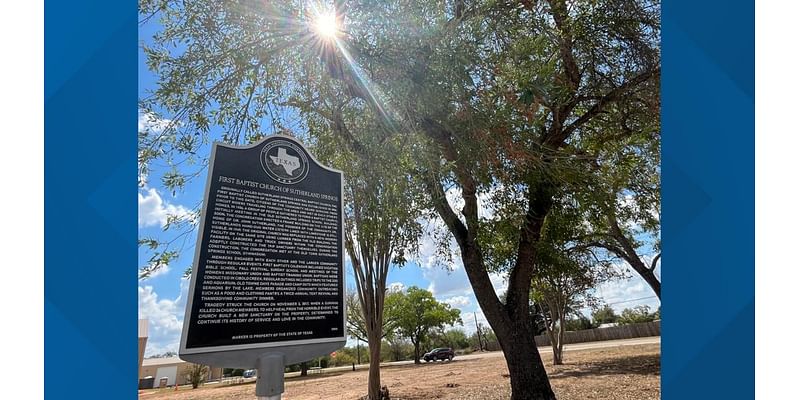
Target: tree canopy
(604, 315)
(420, 313)
(356, 326)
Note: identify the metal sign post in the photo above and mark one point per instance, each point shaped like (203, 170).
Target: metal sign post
(269, 384)
(268, 286)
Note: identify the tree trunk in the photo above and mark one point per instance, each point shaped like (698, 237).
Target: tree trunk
(555, 340)
(561, 346)
(511, 322)
(557, 354)
(304, 368)
(528, 377)
(628, 253)
(416, 352)
(374, 380)
(558, 347)
(650, 278)
(550, 327)
(513, 325)
(558, 344)
(554, 344)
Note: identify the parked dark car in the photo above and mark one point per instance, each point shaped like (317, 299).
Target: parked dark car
(442, 353)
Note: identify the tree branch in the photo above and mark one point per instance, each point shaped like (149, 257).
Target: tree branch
(610, 97)
(654, 262)
(442, 207)
(559, 11)
(539, 203)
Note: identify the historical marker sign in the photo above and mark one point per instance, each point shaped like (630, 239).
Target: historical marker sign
(269, 270)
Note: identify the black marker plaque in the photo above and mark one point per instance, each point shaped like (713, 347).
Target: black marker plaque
(269, 263)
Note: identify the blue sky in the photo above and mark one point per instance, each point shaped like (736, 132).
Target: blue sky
(162, 296)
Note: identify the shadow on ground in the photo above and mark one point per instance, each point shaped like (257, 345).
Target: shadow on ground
(649, 364)
(313, 376)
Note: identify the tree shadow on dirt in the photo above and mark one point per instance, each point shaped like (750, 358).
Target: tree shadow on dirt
(640, 365)
(311, 376)
(435, 363)
(428, 364)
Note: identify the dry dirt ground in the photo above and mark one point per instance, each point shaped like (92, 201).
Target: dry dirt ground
(619, 373)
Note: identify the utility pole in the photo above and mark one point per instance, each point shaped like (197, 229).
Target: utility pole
(478, 329)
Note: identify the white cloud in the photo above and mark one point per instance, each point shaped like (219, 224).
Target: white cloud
(485, 209)
(397, 287)
(165, 318)
(428, 254)
(153, 210)
(447, 277)
(499, 282)
(150, 123)
(444, 273)
(459, 302)
(158, 272)
(435, 232)
(627, 293)
(444, 283)
(470, 318)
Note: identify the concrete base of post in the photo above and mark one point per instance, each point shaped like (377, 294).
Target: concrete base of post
(269, 384)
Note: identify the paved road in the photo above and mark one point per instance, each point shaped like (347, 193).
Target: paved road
(610, 343)
(575, 347)
(542, 350)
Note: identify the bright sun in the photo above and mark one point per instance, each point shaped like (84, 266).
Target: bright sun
(326, 25)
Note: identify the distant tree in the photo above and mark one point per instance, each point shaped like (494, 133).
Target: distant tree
(636, 315)
(566, 274)
(577, 322)
(163, 355)
(356, 327)
(475, 342)
(304, 368)
(560, 290)
(621, 199)
(344, 356)
(292, 368)
(196, 374)
(420, 313)
(454, 338)
(399, 347)
(488, 338)
(604, 315)
(381, 228)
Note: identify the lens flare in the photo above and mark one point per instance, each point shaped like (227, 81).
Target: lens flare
(330, 36)
(326, 25)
